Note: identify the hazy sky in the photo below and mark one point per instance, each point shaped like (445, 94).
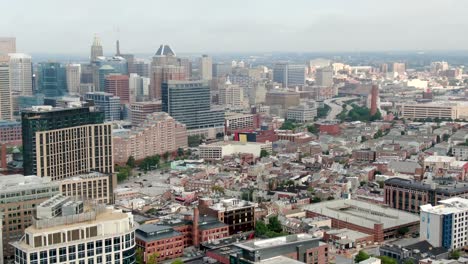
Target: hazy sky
(65, 26)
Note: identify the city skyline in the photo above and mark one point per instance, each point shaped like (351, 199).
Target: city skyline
(243, 26)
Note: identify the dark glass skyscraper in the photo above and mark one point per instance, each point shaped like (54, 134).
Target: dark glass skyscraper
(189, 103)
(52, 79)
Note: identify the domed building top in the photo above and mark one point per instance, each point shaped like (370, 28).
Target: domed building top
(165, 50)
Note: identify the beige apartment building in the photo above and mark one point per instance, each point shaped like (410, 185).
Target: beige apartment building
(66, 152)
(158, 134)
(93, 186)
(441, 110)
(19, 196)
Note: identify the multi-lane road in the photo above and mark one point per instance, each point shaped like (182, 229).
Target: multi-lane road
(336, 106)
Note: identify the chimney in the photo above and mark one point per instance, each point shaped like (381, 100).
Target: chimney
(195, 235)
(374, 96)
(3, 156)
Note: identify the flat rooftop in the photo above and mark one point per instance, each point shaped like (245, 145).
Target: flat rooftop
(448, 206)
(363, 213)
(280, 260)
(277, 241)
(101, 215)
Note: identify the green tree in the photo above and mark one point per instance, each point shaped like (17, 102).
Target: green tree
(131, 162)
(139, 256)
(180, 152)
(312, 129)
(388, 260)
(264, 153)
(195, 140)
(218, 189)
(455, 254)
(260, 228)
(362, 255)
(274, 224)
(409, 261)
(177, 261)
(403, 230)
(123, 173)
(288, 125)
(153, 258)
(316, 200)
(378, 134)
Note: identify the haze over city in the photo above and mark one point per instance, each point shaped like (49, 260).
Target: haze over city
(54, 26)
(234, 132)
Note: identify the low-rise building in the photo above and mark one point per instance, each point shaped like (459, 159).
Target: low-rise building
(239, 215)
(377, 220)
(302, 247)
(162, 241)
(410, 195)
(238, 121)
(10, 131)
(219, 150)
(301, 113)
(460, 152)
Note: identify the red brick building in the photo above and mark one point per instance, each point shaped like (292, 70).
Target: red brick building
(379, 221)
(329, 128)
(169, 238)
(118, 85)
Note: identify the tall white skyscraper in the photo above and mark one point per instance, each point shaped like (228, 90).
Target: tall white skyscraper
(73, 72)
(138, 86)
(20, 73)
(206, 67)
(231, 95)
(6, 110)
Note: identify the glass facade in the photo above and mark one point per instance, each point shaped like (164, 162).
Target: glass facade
(52, 79)
(33, 121)
(189, 103)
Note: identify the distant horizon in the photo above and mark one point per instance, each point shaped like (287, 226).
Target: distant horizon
(206, 26)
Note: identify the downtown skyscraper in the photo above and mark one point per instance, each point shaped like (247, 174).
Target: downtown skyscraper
(165, 67)
(63, 142)
(189, 103)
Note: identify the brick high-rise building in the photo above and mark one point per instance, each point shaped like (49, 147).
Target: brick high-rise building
(118, 85)
(158, 134)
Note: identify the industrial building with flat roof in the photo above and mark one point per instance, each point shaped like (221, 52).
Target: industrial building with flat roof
(369, 218)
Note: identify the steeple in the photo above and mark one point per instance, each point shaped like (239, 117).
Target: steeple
(97, 40)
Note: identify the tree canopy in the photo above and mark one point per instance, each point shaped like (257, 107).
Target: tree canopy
(362, 255)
